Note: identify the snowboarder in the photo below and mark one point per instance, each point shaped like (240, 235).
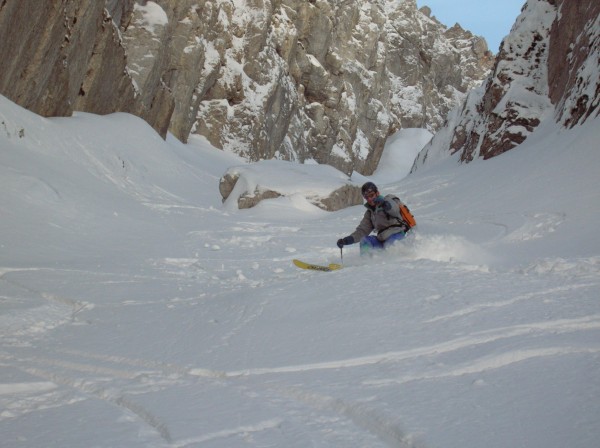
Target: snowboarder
(383, 216)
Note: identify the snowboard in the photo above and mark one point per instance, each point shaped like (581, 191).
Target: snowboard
(317, 267)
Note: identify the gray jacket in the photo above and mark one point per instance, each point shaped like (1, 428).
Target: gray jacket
(377, 219)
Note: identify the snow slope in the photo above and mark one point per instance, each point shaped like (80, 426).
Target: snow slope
(137, 311)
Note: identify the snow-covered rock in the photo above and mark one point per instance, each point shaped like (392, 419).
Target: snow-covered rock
(245, 186)
(548, 67)
(328, 81)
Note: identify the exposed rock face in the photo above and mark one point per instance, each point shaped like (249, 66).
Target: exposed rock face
(548, 64)
(73, 60)
(322, 80)
(289, 79)
(574, 61)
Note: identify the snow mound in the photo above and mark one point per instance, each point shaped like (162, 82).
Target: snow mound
(245, 186)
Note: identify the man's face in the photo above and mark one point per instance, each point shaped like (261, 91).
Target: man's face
(370, 196)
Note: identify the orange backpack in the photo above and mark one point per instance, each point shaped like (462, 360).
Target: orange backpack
(407, 216)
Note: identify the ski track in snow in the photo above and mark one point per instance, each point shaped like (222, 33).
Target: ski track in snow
(93, 385)
(117, 380)
(134, 373)
(228, 433)
(506, 303)
(385, 427)
(533, 329)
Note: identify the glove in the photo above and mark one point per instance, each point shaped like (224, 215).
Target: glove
(345, 241)
(379, 200)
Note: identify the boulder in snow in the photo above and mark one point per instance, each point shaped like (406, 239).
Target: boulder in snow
(321, 185)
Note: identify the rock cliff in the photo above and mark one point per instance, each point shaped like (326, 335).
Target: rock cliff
(547, 66)
(61, 56)
(289, 79)
(298, 80)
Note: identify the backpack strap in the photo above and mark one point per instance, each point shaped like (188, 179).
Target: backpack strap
(405, 227)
